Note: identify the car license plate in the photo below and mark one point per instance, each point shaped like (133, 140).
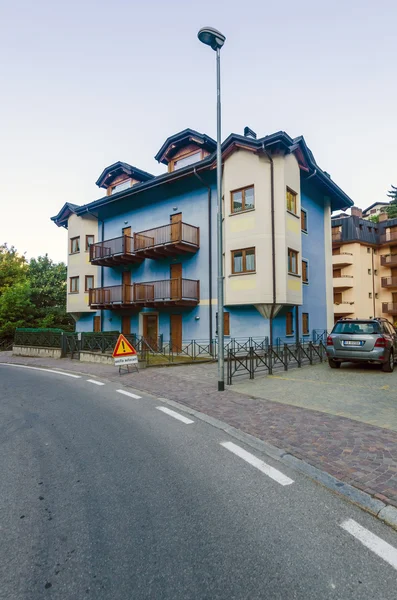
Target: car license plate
(352, 343)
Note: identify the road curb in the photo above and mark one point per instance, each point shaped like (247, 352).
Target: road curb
(378, 508)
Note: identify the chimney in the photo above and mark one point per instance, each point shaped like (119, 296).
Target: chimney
(356, 212)
(249, 133)
(383, 216)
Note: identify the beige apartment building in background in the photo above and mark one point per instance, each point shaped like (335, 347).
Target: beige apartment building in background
(364, 262)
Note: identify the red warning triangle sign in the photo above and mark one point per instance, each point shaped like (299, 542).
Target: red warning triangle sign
(123, 347)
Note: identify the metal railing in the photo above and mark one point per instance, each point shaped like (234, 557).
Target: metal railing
(108, 248)
(388, 259)
(45, 339)
(146, 293)
(5, 344)
(167, 234)
(389, 307)
(387, 282)
(390, 236)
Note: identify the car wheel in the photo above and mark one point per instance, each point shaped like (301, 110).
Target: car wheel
(388, 366)
(333, 363)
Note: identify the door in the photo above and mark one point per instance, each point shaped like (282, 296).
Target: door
(176, 227)
(126, 325)
(337, 272)
(150, 330)
(394, 275)
(176, 281)
(337, 297)
(127, 288)
(176, 333)
(127, 240)
(97, 324)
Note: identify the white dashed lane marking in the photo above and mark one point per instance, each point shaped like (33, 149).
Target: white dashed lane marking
(130, 394)
(374, 543)
(174, 414)
(95, 382)
(45, 370)
(258, 464)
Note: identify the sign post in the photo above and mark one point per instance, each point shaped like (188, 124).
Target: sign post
(124, 355)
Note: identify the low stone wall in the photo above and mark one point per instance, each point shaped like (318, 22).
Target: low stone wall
(37, 351)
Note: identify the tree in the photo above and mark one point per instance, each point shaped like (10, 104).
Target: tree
(13, 267)
(392, 208)
(16, 308)
(374, 218)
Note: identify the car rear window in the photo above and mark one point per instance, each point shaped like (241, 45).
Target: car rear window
(356, 327)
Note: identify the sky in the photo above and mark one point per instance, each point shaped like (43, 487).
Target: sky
(86, 83)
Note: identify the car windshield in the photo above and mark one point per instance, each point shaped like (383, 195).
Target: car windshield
(356, 327)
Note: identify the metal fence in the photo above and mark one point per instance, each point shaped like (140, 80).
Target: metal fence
(255, 361)
(5, 344)
(45, 338)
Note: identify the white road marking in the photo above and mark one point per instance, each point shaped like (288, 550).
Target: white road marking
(45, 370)
(94, 381)
(372, 541)
(130, 394)
(259, 464)
(174, 414)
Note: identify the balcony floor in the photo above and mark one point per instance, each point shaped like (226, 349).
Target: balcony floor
(169, 249)
(118, 259)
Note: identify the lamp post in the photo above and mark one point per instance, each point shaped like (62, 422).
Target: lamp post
(215, 39)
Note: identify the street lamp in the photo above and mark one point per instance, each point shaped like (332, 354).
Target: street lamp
(215, 39)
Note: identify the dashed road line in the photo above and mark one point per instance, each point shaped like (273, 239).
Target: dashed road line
(95, 382)
(374, 543)
(259, 464)
(130, 394)
(174, 414)
(40, 369)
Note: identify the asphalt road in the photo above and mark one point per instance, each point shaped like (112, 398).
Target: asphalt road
(105, 496)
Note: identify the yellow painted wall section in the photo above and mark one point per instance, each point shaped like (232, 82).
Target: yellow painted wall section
(293, 235)
(79, 264)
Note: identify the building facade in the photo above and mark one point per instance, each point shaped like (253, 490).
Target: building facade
(153, 254)
(364, 260)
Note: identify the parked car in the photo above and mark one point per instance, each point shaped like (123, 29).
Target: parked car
(362, 340)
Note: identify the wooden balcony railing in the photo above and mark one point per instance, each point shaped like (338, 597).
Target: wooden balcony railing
(116, 251)
(336, 236)
(389, 282)
(389, 307)
(389, 236)
(388, 259)
(164, 292)
(171, 239)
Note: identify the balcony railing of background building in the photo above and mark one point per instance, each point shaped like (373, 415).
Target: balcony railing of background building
(389, 307)
(390, 236)
(388, 259)
(389, 282)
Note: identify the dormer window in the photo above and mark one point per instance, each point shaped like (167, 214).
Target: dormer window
(184, 161)
(124, 185)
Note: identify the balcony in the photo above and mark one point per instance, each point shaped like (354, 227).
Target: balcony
(117, 251)
(336, 236)
(343, 308)
(390, 237)
(389, 307)
(344, 259)
(161, 293)
(389, 282)
(388, 260)
(344, 282)
(168, 240)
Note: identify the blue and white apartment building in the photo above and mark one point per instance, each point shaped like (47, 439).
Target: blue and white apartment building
(142, 259)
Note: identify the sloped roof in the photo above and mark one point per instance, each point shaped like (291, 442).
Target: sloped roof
(118, 168)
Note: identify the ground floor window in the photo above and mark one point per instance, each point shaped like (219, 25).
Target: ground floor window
(289, 324)
(97, 324)
(305, 323)
(226, 323)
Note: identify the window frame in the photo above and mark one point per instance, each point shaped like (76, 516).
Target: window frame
(87, 289)
(289, 190)
(114, 190)
(73, 239)
(87, 246)
(75, 278)
(307, 331)
(173, 161)
(242, 190)
(304, 211)
(305, 281)
(296, 273)
(291, 332)
(244, 261)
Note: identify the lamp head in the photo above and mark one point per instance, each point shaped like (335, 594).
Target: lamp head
(211, 37)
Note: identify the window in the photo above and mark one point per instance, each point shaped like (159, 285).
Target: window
(243, 199)
(304, 221)
(369, 250)
(74, 285)
(376, 296)
(356, 327)
(375, 271)
(89, 282)
(305, 324)
(89, 240)
(226, 323)
(292, 262)
(243, 261)
(124, 185)
(369, 294)
(305, 271)
(184, 161)
(289, 324)
(291, 200)
(74, 245)
(369, 271)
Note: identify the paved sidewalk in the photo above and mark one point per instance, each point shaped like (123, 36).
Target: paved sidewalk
(355, 452)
